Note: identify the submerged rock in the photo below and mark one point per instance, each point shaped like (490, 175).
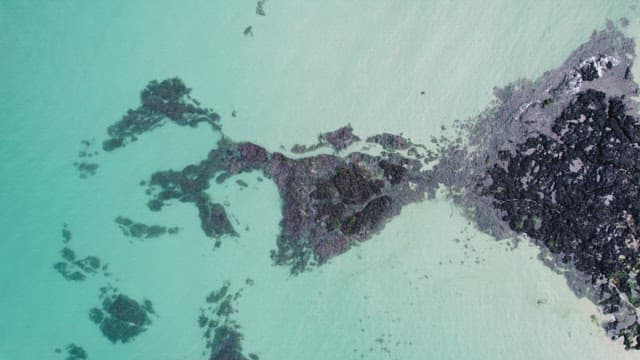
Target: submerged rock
(143, 231)
(66, 233)
(169, 99)
(260, 7)
(86, 169)
(390, 141)
(224, 339)
(338, 140)
(121, 319)
(74, 352)
(73, 268)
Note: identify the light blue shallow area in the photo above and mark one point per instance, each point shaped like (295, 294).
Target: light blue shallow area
(71, 68)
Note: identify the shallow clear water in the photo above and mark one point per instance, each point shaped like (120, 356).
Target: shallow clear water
(412, 292)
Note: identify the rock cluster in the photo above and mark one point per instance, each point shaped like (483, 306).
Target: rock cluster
(143, 231)
(74, 268)
(121, 318)
(555, 158)
(74, 352)
(221, 331)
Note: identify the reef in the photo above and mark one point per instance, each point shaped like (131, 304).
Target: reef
(142, 231)
(74, 352)
(169, 100)
(121, 318)
(221, 331)
(74, 268)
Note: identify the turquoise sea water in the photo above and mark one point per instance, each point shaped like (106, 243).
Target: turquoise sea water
(70, 69)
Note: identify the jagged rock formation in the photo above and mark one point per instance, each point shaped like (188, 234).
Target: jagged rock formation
(555, 158)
